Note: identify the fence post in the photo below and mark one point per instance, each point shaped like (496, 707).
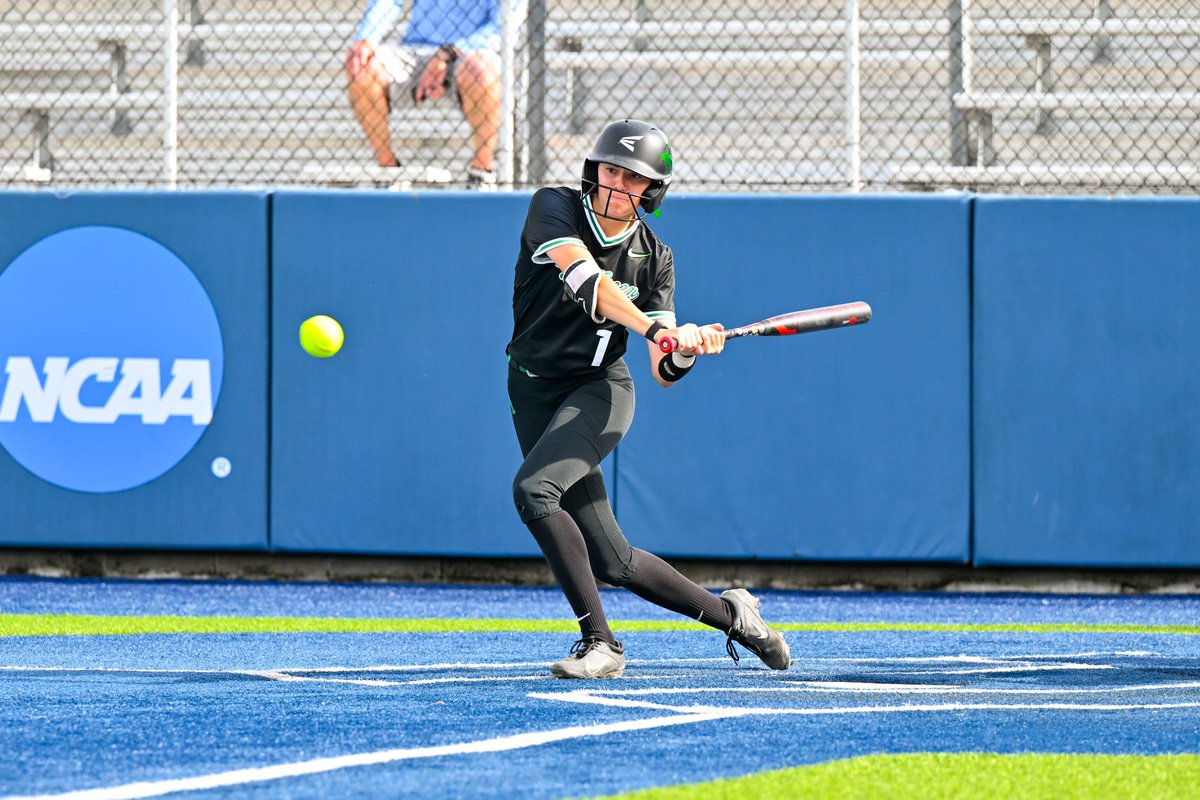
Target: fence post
(853, 96)
(43, 159)
(536, 118)
(504, 154)
(196, 57)
(1043, 78)
(120, 85)
(1102, 10)
(958, 120)
(170, 96)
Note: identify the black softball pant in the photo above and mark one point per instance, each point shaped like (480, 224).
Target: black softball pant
(566, 427)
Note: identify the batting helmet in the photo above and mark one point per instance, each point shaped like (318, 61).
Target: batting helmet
(637, 146)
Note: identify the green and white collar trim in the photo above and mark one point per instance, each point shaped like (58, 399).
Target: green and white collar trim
(604, 239)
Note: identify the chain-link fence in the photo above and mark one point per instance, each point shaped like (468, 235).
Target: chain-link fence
(807, 95)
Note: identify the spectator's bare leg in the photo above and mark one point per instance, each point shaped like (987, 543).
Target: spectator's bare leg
(368, 98)
(479, 86)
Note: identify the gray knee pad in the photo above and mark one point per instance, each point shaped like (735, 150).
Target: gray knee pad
(535, 497)
(615, 569)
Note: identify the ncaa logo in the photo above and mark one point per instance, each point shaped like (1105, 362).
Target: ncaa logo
(110, 359)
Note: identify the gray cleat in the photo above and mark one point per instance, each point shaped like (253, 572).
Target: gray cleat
(591, 658)
(752, 633)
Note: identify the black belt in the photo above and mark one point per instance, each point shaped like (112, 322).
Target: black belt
(512, 363)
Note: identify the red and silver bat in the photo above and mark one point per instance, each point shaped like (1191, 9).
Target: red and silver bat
(813, 319)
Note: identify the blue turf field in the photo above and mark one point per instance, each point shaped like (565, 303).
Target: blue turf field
(472, 714)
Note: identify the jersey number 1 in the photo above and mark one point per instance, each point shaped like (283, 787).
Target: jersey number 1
(604, 335)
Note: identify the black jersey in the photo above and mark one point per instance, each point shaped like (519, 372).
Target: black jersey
(552, 335)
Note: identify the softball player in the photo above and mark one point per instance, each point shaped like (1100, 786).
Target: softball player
(590, 271)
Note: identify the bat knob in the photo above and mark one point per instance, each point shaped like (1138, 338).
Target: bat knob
(666, 344)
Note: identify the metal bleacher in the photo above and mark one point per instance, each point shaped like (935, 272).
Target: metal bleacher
(68, 84)
(751, 101)
(755, 96)
(1061, 101)
(261, 97)
(263, 101)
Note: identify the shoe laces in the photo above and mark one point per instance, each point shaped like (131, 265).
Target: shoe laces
(734, 633)
(737, 634)
(584, 646)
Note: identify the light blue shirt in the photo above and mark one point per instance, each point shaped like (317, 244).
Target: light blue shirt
(467, 24)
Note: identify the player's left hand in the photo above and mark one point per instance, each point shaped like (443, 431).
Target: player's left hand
(712, 341)
(686, 337)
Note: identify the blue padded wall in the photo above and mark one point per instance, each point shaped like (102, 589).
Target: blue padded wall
(848, 444)
(221, 237)
(1087, 391)
(403, 442)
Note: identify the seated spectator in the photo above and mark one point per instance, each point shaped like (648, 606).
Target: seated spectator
(449, 48)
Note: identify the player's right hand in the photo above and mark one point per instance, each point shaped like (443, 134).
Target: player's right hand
(713, 340)
(691, 340)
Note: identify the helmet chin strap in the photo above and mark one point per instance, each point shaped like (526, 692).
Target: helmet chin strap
(595, 191)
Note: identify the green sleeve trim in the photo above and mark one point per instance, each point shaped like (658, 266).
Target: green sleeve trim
(553, 243)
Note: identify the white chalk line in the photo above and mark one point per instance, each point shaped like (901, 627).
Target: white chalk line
(316, 674)
(287, 677)
(679, 715)
(459, 665)
(481, 666)
(619, 700)
(453, 665)
(967, 659)
(831, 687)
(1011, 667)
(315, 766)
(682, 716)
(998, 665)
(202, 671)
(282, 675)
(917, 688)
(542, 678)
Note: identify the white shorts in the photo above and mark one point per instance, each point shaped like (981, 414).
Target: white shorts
(404, 65)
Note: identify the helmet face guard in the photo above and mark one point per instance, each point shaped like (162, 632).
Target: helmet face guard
(642, 204)
(638, 147)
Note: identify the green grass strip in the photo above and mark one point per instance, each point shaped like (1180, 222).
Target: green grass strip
(95, 625)
(997, 627)
(961, 776)
(78, 624)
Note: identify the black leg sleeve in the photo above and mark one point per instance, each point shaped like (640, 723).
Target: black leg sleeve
(562, 545)
(613, 560)
(660, 583)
